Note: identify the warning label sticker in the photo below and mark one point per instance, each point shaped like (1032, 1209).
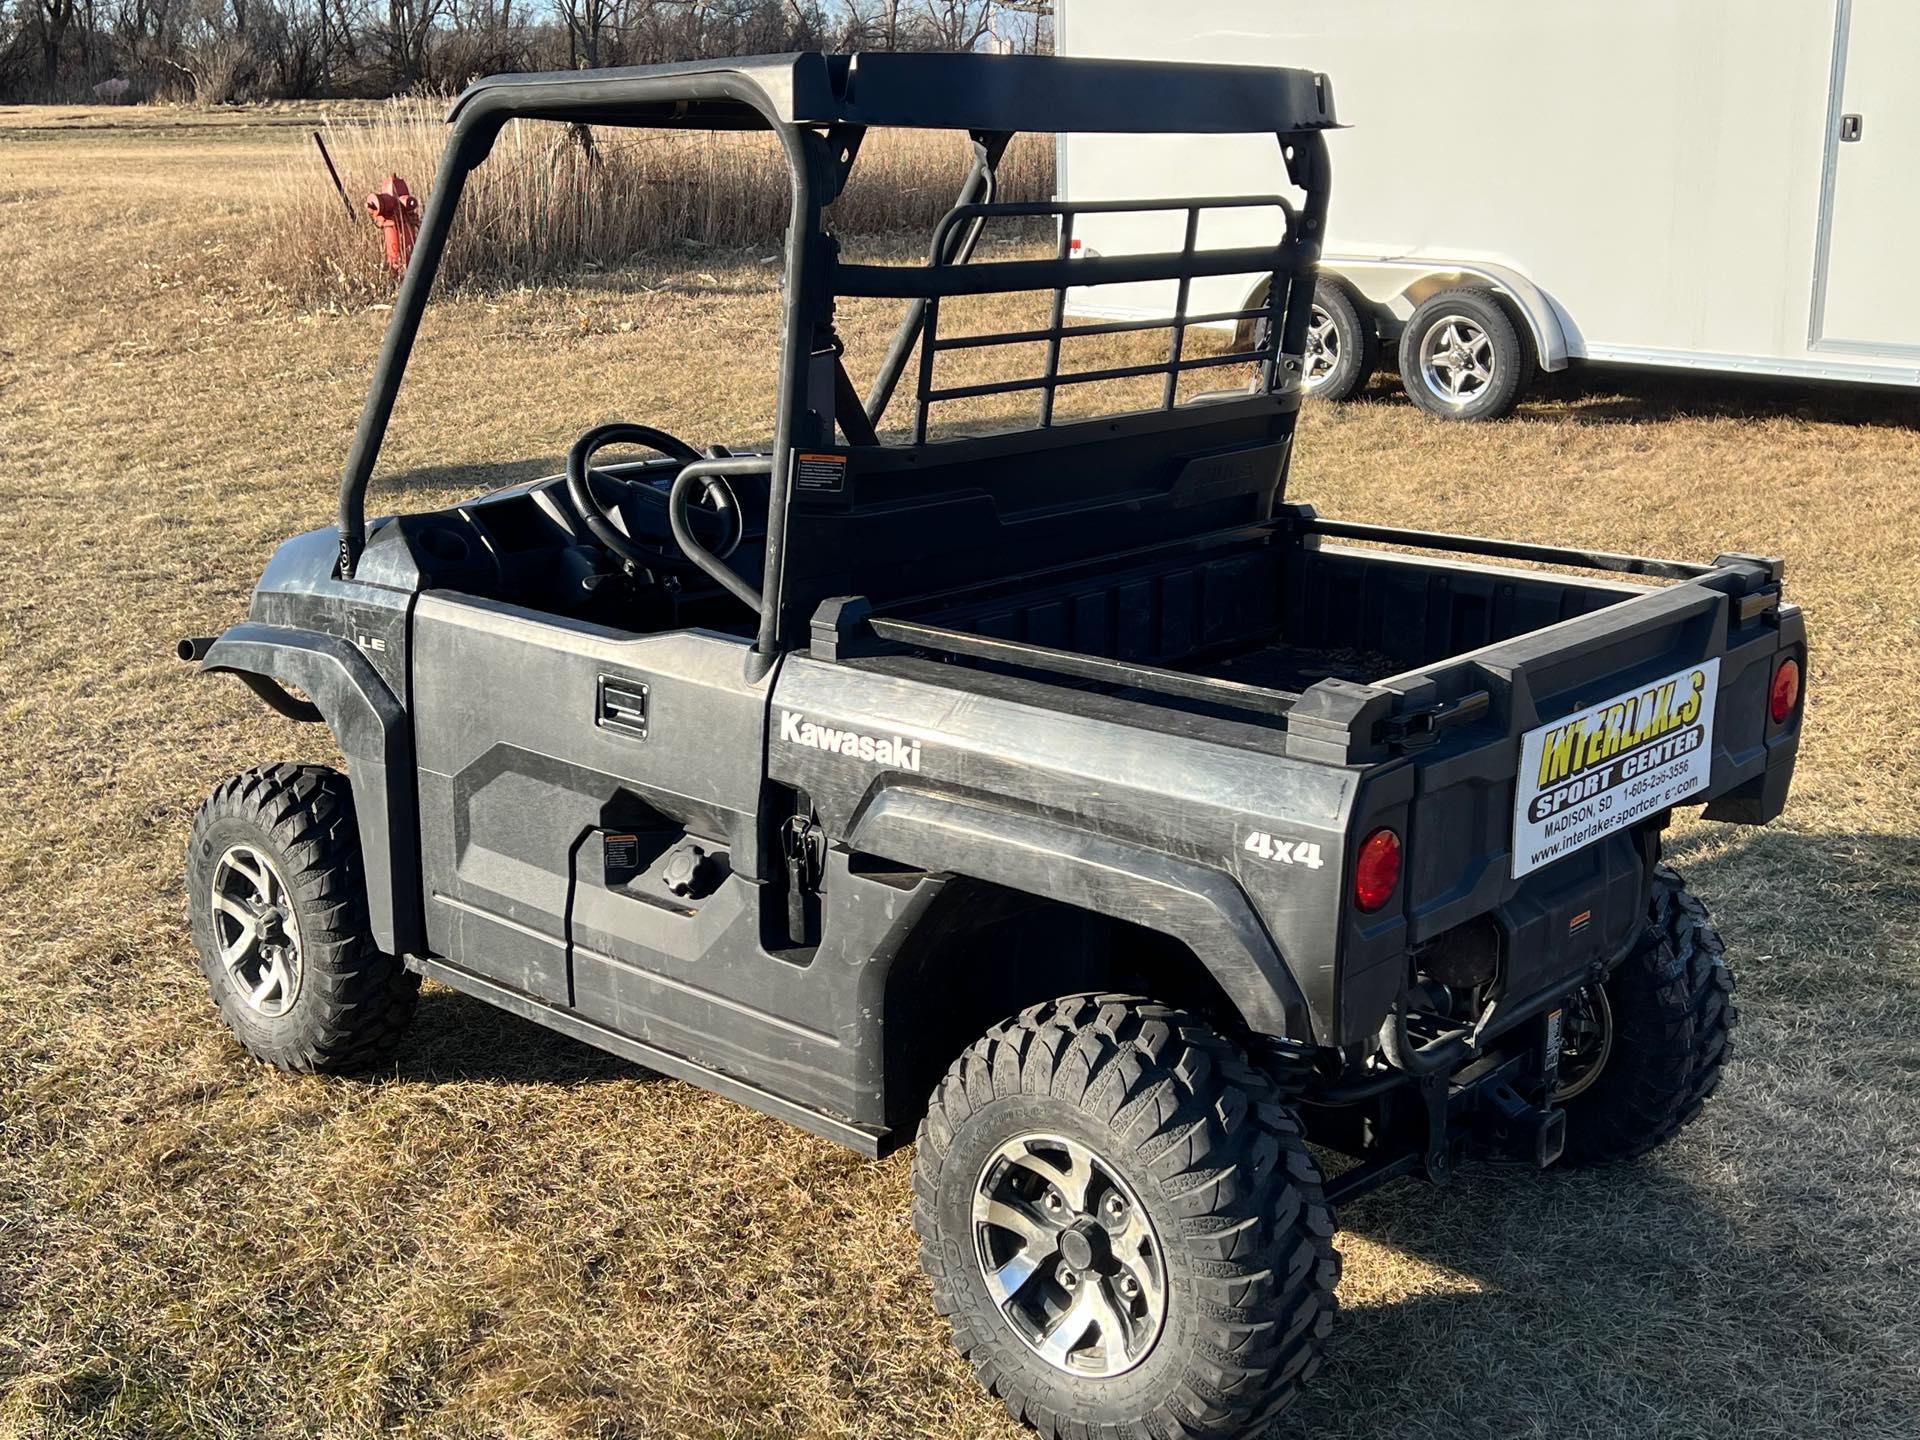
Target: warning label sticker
(1586, 775)
(820, 471)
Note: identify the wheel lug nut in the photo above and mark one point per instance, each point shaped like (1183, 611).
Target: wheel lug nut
(1053, 1200)
(1068, 1278)
(1129, 1286)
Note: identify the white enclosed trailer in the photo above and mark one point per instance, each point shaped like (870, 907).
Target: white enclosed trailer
(1721, 185)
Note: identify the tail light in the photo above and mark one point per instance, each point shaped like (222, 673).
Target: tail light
(1786, 690)
(1376, 870)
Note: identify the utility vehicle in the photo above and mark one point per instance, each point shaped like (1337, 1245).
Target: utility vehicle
(1065, 792)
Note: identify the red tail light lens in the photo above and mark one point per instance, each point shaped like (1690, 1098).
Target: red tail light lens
(1376, 871)
(1786, 690)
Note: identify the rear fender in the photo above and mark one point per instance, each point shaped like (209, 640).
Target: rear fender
(1202, 908)
(371, 728)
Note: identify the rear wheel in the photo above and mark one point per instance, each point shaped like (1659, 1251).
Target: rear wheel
(1123, 1223)
(1463, 358)
(277, 903)
(1643, 1051)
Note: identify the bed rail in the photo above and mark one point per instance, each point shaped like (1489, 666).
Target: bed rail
(1234, 694)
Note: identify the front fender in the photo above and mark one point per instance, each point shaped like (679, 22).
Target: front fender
(372, 730)
(1203, 908)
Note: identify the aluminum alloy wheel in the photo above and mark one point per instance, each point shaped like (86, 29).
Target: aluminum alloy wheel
(1323, 348)
(1586, 1041)
(256, 930)
(1069, 1256)
(1456, 360)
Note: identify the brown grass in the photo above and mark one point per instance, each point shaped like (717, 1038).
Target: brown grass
(510, 1235)
(544, 206)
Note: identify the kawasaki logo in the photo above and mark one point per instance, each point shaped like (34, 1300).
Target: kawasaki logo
(899, 751)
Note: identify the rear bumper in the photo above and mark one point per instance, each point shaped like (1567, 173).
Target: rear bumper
(1561, 927)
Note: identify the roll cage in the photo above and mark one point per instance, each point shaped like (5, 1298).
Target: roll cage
(820, 108)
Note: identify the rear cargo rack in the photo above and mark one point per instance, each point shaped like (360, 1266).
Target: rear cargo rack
(948, 274)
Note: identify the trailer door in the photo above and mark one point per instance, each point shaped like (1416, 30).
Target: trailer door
(1866, 295)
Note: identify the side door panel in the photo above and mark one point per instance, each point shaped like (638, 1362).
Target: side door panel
(534, 735)
(524, 767)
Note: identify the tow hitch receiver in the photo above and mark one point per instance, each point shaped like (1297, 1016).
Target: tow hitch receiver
(1425, 1128)
(1517, 1129)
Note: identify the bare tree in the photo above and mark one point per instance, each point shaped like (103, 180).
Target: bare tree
(405, 36)
(956, 24)
(233, 49)
(55, 17)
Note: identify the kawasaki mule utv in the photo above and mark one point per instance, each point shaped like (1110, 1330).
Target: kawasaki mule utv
(1064, 796)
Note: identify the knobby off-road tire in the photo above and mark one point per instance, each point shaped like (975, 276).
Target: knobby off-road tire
(1218, 1190)
(1672, 1032)
(301, 983)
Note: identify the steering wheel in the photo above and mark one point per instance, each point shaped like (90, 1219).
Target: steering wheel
(716, 495)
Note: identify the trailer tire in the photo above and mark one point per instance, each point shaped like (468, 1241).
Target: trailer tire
(277, 902)
(1133, 1141)
(1671, 1017)
(1462, 357)
(1343, 346)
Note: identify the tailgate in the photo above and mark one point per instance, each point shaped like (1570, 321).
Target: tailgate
(1587, 729)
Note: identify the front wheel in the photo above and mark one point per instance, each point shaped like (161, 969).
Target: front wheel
(277, 903)
(1122, 1222)
(1643, 1051)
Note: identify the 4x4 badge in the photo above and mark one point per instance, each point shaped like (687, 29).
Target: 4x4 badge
(1284, 852)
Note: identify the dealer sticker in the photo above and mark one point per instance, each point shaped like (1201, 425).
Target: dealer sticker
(1585, 775)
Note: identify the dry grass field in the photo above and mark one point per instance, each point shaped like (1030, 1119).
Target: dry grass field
(510, 1235)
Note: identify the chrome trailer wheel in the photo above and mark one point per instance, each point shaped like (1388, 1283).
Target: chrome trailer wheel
(1456, 361)
(1463, 357)
(1323, 348)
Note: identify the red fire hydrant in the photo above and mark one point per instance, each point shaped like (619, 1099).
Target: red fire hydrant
(397, 213)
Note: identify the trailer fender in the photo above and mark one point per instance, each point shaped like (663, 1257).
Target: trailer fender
(1201, 907)
(1399, 286)
(371, 728)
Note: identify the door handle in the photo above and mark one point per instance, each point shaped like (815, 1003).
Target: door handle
(621, 704)
(1850, 126)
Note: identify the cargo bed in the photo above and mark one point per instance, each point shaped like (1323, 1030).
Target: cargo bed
(1248, 620)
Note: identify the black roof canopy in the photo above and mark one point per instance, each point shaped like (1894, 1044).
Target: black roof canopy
(1045, 93)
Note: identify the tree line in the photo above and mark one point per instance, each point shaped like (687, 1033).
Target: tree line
(224, 51)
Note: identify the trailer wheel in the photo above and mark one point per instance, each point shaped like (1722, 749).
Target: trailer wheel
(1463, 358)
(1649, 1045)
(279, 914)
(1123, 1223)
(1343, 347)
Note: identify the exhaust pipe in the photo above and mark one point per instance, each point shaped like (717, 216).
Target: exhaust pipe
(194, 648)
